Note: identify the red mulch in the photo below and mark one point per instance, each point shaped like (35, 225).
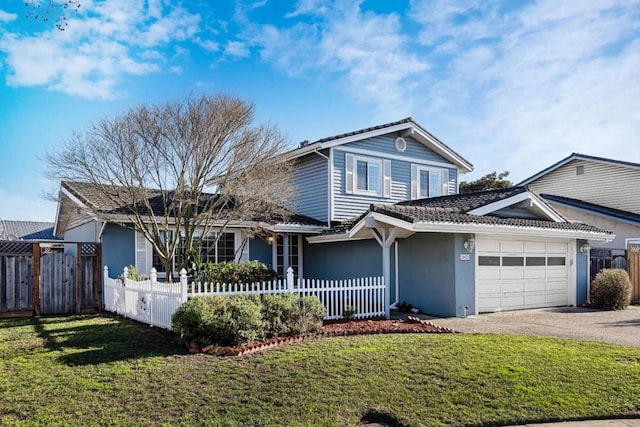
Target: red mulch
(334, 328)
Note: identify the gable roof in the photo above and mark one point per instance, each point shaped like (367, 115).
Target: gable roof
(577, 156)
(404, 127)
(27, 230)
(95, 204)
(593, 208)
(455, 214)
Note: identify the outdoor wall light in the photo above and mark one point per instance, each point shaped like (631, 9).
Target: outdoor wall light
(270, 240)
(469, 244)
(585, 248)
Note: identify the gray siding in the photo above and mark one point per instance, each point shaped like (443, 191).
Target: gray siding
(311, 181)
(427, 270)
(604, 184)
(84, 233)
(347, 206)
(387, 144)
(118, 249)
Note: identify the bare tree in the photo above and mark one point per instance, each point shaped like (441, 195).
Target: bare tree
(177, 170)
(56, 9)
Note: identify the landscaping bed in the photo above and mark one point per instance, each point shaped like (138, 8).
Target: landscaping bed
(332, 328)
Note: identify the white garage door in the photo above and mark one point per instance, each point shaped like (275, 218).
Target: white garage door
(514, 275)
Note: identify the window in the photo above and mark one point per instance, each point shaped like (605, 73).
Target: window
(368, 176)
(512, 261)
(493, 261)
(208, 249)
(428, 181)
(555, 261)
(288, 253)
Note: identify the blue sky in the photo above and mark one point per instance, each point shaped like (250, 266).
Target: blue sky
(510, 85)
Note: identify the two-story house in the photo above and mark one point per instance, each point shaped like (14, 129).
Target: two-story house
(383, 201)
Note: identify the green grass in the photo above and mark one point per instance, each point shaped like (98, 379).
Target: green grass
(93, 370)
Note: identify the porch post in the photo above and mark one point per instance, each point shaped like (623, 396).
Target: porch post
(386, 272)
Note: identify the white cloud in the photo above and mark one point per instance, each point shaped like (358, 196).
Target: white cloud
(366, 53)
(102, 43)
(236, 49)
(7, 17)
(536, 83)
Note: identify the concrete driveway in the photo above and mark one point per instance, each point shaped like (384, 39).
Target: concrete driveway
(616, 327)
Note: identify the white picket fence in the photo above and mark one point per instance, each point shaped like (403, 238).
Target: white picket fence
(154, 302)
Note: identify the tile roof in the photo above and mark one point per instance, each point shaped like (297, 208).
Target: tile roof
(369, 129)
(96, 197)
(432, 214)
(27, 230)
(625, 215)
(453, 210)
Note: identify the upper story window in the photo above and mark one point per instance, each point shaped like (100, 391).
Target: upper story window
(428, 182)
(368, 176)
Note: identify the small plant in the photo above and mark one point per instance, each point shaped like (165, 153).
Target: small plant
(133, 274)
(349, 312)
(611, 289)
(231, 272)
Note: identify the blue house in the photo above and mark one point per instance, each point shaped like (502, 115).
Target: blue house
(383, 201)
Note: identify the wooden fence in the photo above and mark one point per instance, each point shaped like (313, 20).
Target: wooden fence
(40, 279)
(154, 303)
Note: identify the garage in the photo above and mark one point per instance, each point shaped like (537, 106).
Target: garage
(516, 274)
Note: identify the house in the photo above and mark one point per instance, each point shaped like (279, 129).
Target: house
(34, 231)
(601, 192)
(383, 201)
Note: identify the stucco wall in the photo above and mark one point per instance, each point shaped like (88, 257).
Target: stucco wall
(464, 277)
(427, 270)
(622, 230)
(260, 250)
(118, 249)
(582, 274)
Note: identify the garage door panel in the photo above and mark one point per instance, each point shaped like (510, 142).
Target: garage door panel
(535, 247)
(512, 247)
(509, 273)
(535, 273)
(540, 281)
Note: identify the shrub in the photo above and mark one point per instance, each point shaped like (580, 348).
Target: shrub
(134, 274)
(222, 320)
(231, 272)
(611, 289)
(289, 314)
(241, 319)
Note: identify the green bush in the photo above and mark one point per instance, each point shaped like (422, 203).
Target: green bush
(221, 320)
(231, 272)
(241, 319)
(289, 314)
(611, 290)
(134, 274)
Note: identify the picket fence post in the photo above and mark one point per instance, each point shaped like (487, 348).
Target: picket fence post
(153, 275)
(290, 279)
(105, 274)
(125, 272)
(183, 285)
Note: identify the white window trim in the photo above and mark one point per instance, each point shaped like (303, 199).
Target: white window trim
(380, 164)
(444, 184)
(238, 240)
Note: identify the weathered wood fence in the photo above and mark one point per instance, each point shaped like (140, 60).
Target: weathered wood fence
(40, 279)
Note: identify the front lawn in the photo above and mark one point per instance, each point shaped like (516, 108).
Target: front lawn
(94, 370)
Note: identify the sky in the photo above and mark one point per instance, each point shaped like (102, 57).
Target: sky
(509, 85)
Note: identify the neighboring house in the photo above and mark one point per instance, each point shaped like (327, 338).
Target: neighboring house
(34, 231)
(383, 201)
(594, 190)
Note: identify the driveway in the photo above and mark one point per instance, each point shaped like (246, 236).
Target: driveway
(616, 327)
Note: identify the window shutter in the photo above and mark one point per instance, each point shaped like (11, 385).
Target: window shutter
(445, 182)
(414, 182)
(144, 254)
(387, 178)
(242, 247)
(348, 176)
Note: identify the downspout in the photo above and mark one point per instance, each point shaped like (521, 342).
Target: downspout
(395, 303)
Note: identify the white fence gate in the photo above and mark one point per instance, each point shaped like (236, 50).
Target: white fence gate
(154, 302)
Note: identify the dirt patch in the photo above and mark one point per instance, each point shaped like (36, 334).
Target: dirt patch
(334, 329)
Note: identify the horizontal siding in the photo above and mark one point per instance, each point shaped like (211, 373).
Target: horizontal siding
(604, 184)
(347, 206)
(312, 187)
(387, 144)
